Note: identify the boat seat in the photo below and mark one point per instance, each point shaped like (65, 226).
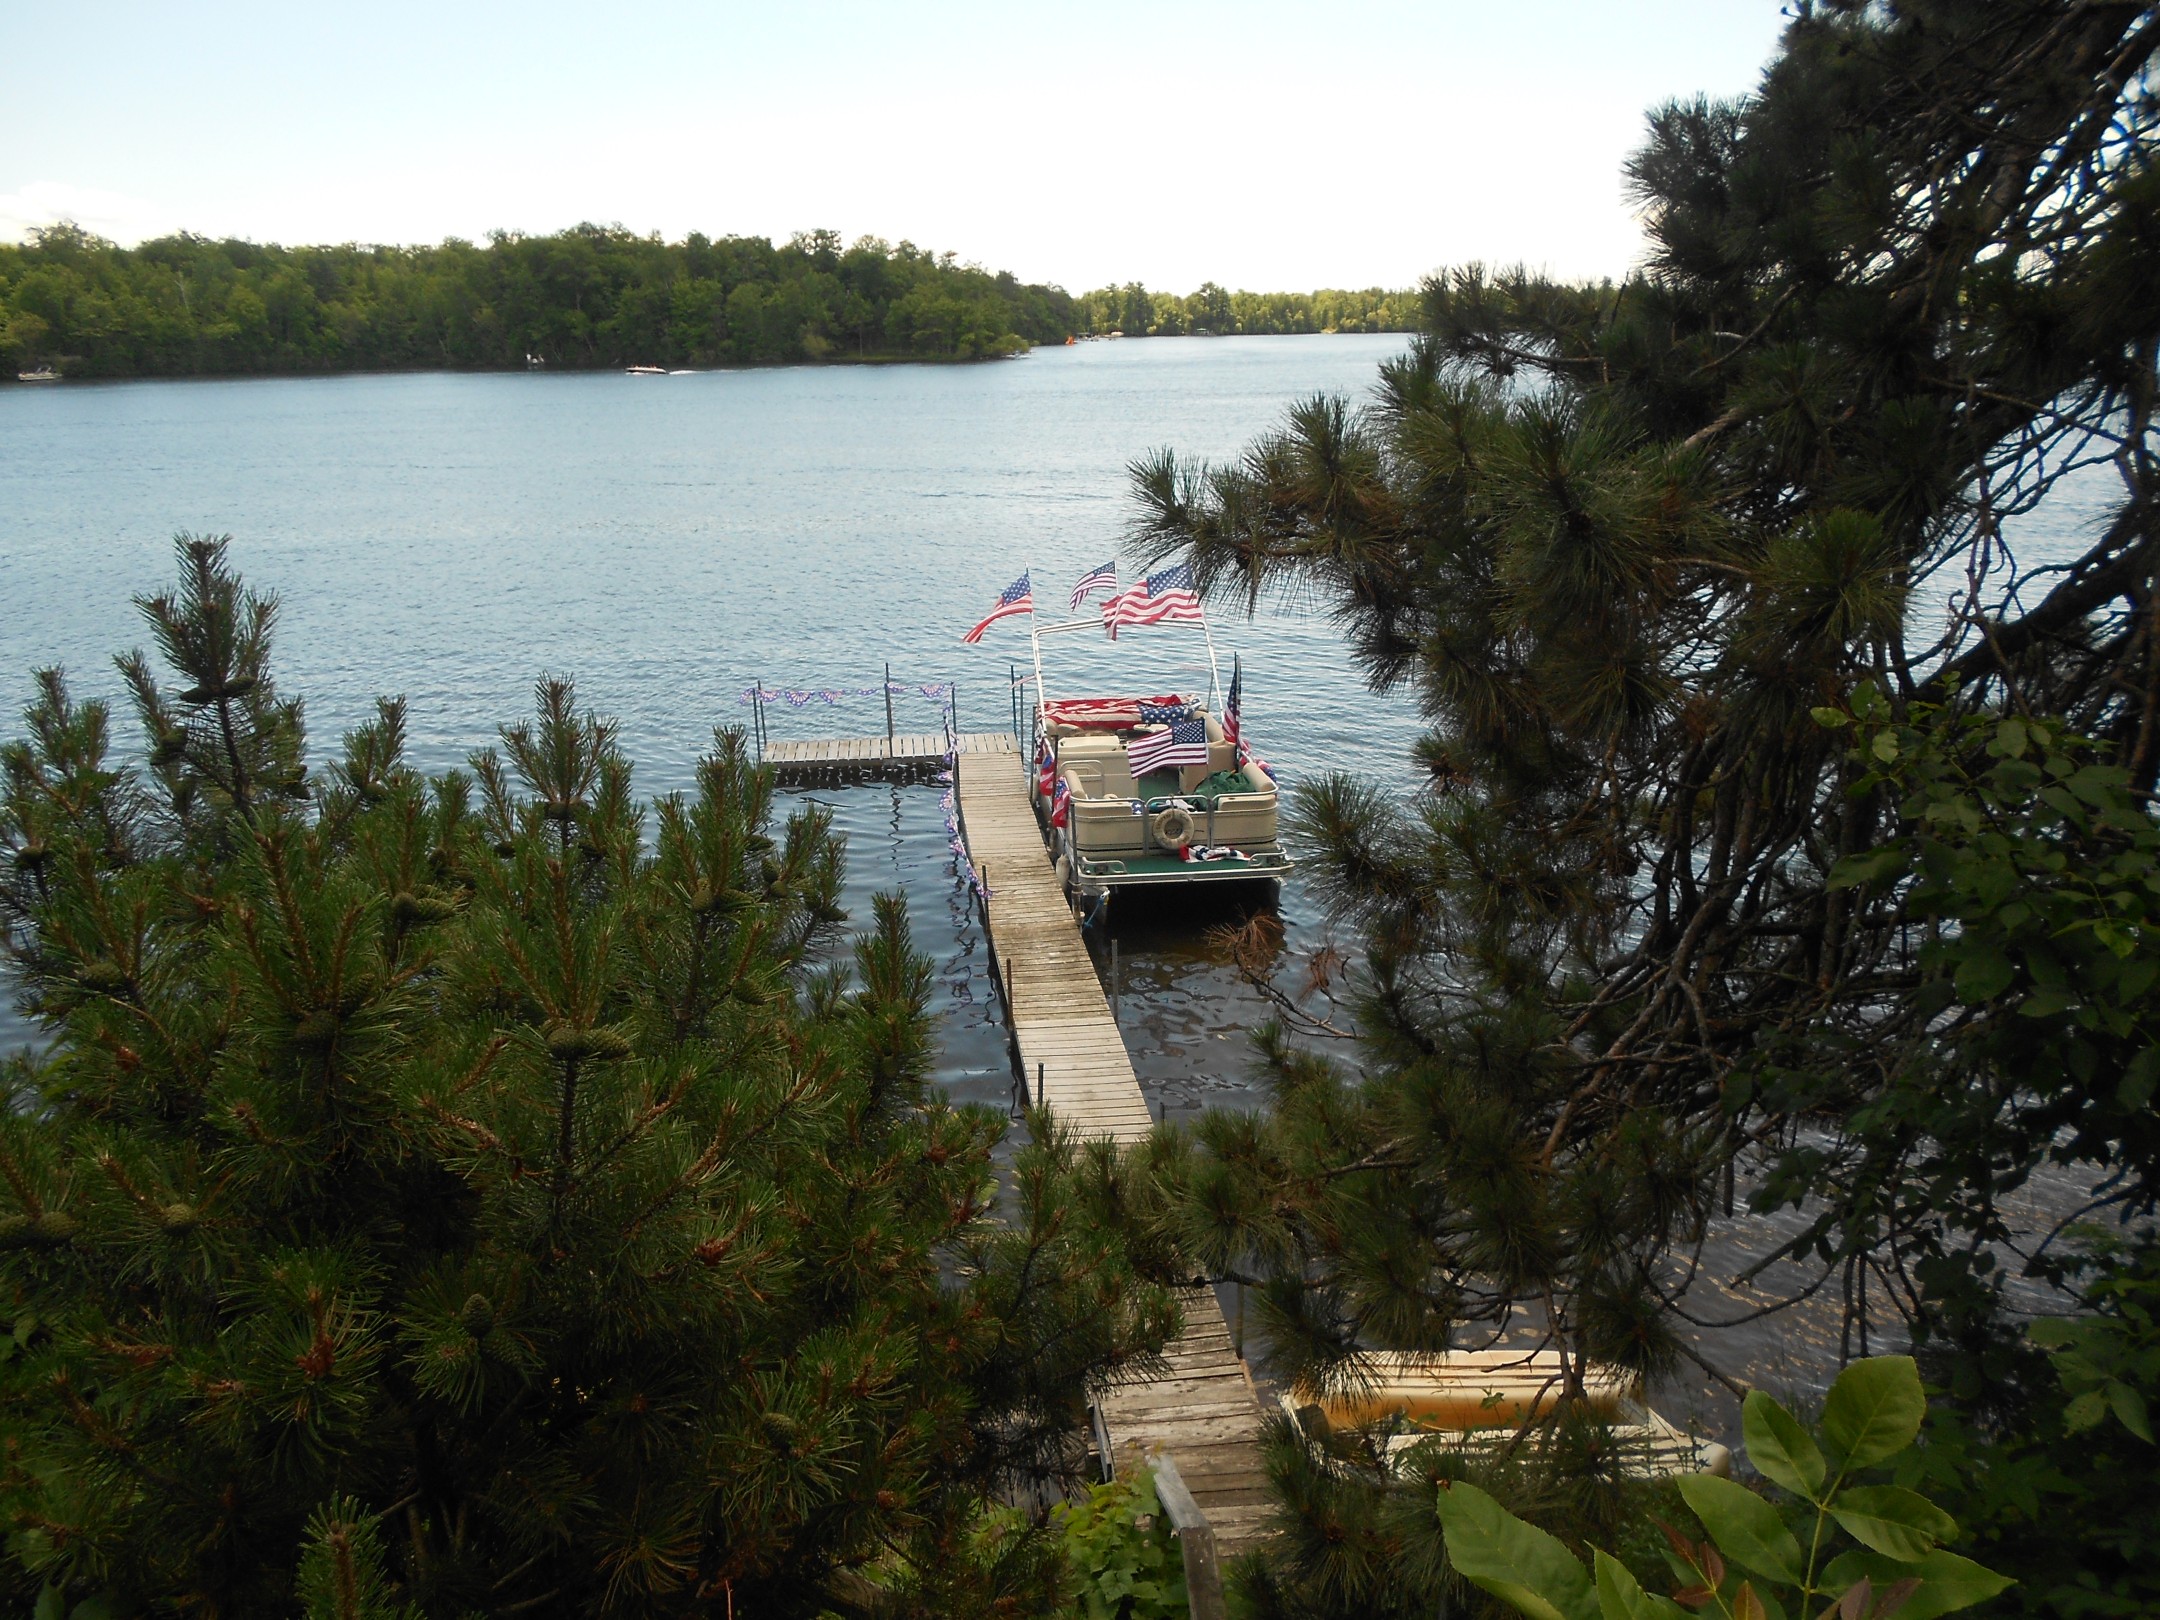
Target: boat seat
(1100, 761)
(1085, 778)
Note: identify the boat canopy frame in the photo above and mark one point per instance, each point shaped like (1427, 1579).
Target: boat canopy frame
(1036, 631)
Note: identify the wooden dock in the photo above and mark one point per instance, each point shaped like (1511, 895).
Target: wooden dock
(912, 757)
(1202, 1410)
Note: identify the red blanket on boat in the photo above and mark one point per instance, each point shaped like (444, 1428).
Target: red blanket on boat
(1103, 714)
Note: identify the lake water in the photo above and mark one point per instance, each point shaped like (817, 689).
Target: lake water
(669, 541)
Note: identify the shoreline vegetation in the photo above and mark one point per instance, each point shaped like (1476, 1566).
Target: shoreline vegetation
(588, 298)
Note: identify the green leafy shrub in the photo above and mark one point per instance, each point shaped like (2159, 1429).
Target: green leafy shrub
(1124, 1562)
(1759, 1559)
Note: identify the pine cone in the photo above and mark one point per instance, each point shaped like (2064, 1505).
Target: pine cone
(781, 1432)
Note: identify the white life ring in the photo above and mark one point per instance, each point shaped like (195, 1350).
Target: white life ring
(1173, 826)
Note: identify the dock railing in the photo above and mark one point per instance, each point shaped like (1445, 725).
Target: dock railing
(1196, 1540)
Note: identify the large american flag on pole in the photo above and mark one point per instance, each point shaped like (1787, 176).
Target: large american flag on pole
(1018, 597)
(1095, 579)
(1166, 595)
(1182, 742)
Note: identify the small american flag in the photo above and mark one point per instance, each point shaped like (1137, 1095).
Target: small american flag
(1018, 597)
(1233, 713)
(1046, 772)
(1183, 743)
(1060, 804)
(1095, 579)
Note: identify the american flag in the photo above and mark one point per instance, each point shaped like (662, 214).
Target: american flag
(1233, 715)
(1169, 594)
(1183, 743)
(1060, 803)
(1096, 579)
(1018, 597)
(1046, 773)
(1105, 714)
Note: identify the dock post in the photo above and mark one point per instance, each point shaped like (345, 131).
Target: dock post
(1038, 1085)
(888, 707)
(1196, 1539)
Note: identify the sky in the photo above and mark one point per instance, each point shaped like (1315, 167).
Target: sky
(1261, 145)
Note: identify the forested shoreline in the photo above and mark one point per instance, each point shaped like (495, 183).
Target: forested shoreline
(590, 296)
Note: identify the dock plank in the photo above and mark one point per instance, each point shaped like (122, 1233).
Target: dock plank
(1201, 1407)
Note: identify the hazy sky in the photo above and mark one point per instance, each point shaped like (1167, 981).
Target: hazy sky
(1332, 143)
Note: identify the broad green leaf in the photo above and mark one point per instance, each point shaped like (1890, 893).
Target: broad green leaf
(1782, 1451)
(1621, 1597)
(1894, 1521)
(2129, 1409)
(1835, 719)
(1885, 745)
(2052, 1332)
(1868, 867)
(1516, 1562)
(2084, 1411)
(1874, 1410)
(1746, 1529)
(1947, 1582)
(2140, 1079)
(2010, 737)
(1983, 975)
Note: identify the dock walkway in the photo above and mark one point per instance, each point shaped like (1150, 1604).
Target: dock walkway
(1202, 1409)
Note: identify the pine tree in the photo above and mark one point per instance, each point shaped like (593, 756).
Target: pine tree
(1639, 552)
(489, 1195)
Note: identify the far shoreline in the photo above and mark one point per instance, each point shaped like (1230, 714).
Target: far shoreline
(826, 363)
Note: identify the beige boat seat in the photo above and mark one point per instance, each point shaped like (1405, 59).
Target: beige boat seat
(1094, 765)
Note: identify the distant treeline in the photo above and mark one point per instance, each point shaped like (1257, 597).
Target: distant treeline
(589, 296)
(1136, 312)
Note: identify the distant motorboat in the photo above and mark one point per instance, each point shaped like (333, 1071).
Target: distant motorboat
(42, 374)
(645, 371)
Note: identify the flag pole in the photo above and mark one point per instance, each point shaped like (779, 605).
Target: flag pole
(1214, 675)
(1035, 642)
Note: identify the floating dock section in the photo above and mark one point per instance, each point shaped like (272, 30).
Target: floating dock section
(1202, 1410)
(839, 761)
